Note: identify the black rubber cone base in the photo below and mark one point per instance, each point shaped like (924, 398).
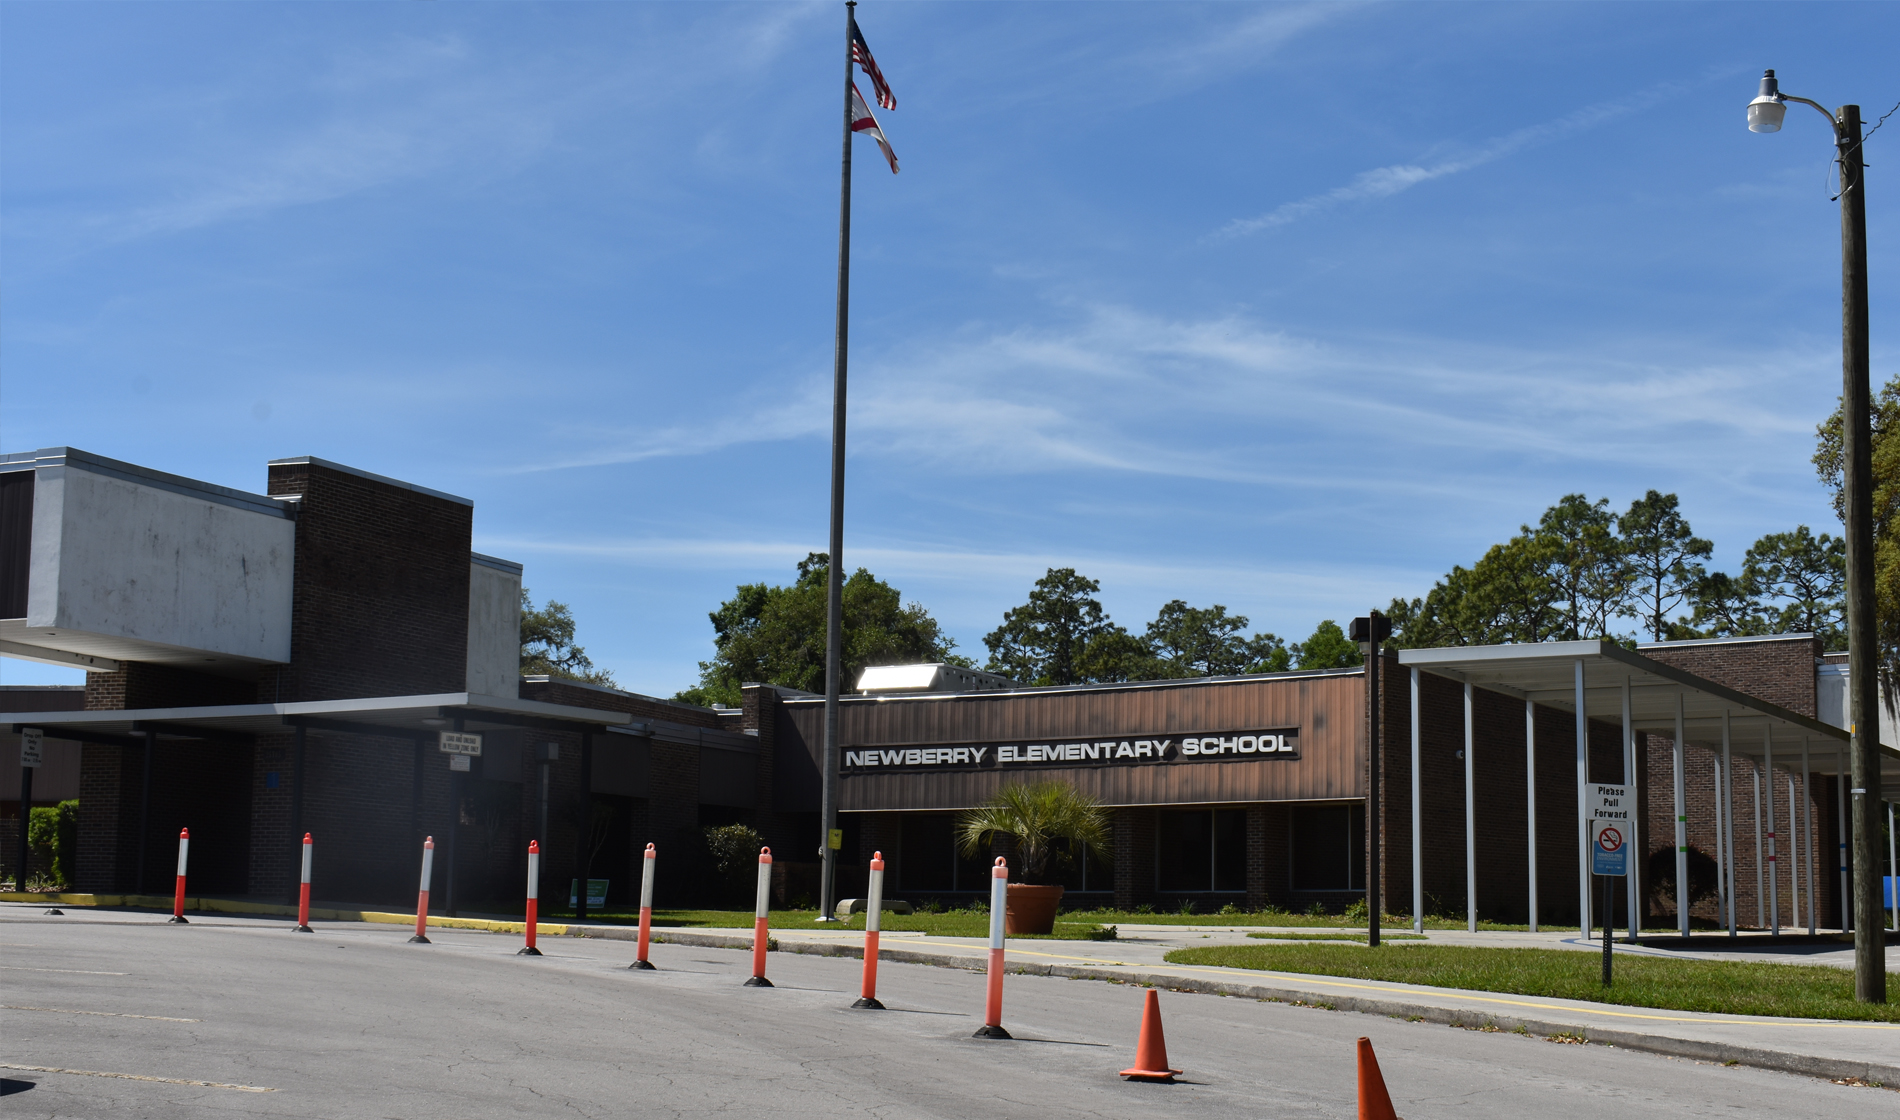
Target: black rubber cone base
(57, 913)
(527, 951)
(991, 1032)
(418, 939)
(758, 982)
(642, 966)
(178, 920)
(866, 1003)
(305, 929)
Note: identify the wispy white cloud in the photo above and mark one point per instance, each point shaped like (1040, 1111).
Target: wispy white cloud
(1384, 182)
(1229, 399)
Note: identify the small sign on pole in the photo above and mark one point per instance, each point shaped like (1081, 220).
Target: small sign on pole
(834, 839)
(32, 746)
(1610, 818)
(596, 894)
(459, 742)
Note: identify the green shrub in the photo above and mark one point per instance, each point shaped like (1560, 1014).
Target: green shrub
(735, 855)
(1186, 907)
(1230, 908)
(54, 833)
(1317, 910)
(1358, 912)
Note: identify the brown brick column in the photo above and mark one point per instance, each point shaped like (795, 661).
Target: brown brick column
(1134, 857)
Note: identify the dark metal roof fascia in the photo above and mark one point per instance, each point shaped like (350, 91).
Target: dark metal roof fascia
(312, 460)
(1065, 689)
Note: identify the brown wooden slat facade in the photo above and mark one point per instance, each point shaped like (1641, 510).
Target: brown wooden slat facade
(1328, 709)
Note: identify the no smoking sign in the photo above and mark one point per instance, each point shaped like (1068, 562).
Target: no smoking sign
(1610, 822)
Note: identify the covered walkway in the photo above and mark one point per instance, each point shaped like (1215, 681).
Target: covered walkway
(1602, 683)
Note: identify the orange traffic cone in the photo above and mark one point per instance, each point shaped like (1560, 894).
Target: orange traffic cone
(1374, 1102)
(1151, 1051)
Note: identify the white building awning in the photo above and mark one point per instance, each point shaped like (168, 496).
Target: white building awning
(1547, 674)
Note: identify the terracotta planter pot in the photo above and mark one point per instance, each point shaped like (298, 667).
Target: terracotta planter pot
(1031, 909)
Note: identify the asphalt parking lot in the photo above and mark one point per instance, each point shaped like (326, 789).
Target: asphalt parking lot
(353, 1022)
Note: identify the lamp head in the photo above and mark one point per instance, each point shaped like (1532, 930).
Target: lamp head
(1767, 110)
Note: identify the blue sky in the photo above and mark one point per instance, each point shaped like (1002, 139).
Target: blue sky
(1289, 308)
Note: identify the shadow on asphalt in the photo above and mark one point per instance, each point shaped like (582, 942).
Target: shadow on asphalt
(8, 1086)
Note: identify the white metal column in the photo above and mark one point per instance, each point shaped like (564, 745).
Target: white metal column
(1682, 831)
(1530, 798)
(1840, 818)
(1418, 852)
(1721, 845)
(1893, 871)
(1761, 900)
(1794, 855)
(1727, 793)
(1632, 883)
(1471, 817)
(1774, 877)
(1583, 809)
(1810, 838)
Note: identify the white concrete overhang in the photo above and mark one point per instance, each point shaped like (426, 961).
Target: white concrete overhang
(1547, 674)
(381, 715)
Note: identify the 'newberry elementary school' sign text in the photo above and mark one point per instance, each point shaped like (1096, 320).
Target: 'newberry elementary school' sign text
(1229, 746)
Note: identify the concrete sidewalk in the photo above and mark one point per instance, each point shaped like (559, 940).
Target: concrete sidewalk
(1823, 1048)
(1835, 1049)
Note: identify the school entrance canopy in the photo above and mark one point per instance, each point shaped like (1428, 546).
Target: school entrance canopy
(1600, 680)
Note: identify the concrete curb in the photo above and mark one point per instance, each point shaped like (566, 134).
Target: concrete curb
(1696, 1049)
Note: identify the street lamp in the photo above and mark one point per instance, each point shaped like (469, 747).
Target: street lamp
(1765, 114)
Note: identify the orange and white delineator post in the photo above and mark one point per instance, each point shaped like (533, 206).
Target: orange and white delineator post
(999, 905)
(534, 898)
(303, 890)
(178, 895)
(758, 979)
(646, 911)
(873, 908)
(422, 895)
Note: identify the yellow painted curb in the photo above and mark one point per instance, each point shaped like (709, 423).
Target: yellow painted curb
(237, 906)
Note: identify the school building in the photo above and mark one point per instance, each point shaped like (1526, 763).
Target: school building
(262, 665)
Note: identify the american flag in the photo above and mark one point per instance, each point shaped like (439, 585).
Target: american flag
(861, 54)
(863, 121)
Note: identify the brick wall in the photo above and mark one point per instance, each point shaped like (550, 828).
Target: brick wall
(380, 589)
(137, 684)
(1778, 670)
(1134, 831)
(1269, 856)
(196, 785)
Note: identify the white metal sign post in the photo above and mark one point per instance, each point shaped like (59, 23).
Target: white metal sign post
(1610, 835)
(31, 746)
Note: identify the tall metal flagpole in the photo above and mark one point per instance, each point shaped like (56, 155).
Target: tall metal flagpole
(834, 590)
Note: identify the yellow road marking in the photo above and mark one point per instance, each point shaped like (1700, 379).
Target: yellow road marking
(114, 1014)
(139, 1077)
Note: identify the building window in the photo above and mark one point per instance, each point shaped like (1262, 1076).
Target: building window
(929, 860)
(1329, 847)
(1201, 850)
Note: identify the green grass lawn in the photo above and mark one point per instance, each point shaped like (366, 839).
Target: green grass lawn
(1722, 987)
(1342, 935)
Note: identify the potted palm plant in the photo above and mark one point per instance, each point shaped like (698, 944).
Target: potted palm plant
(1040, 817)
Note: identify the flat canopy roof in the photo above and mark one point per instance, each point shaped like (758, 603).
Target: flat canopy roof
(1546, 673)
(379, 715)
